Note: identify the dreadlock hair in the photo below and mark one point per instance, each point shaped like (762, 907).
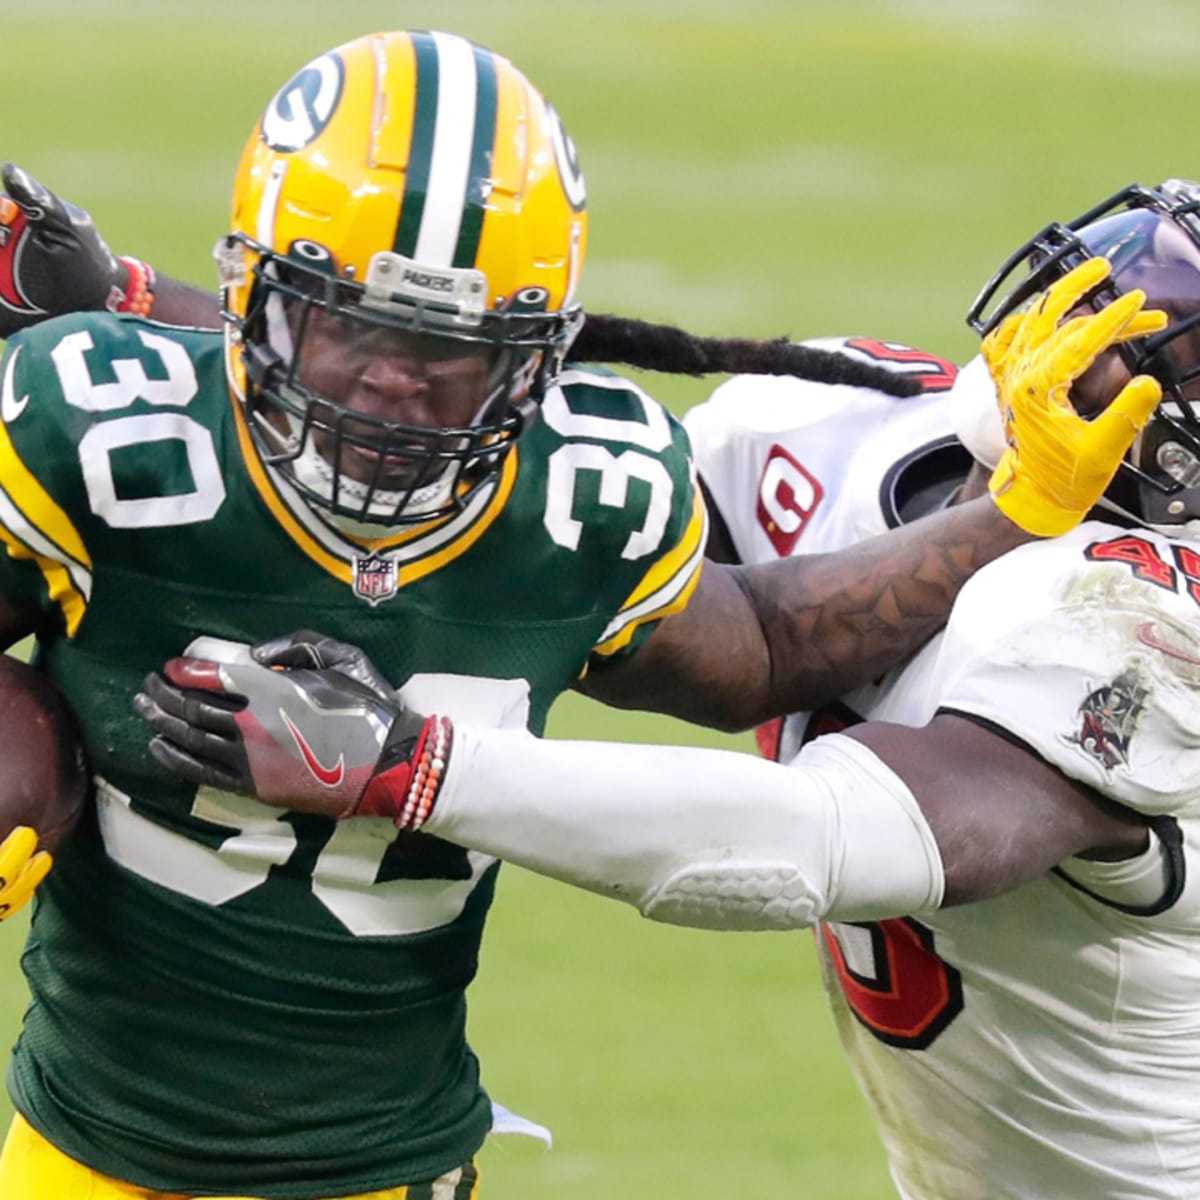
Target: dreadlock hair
(651, 347)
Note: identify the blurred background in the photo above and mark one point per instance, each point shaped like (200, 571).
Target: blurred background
(754, 167)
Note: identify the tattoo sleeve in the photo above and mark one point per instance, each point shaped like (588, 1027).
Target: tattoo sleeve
(786, 636)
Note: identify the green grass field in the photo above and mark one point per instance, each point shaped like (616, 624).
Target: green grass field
(754, 166)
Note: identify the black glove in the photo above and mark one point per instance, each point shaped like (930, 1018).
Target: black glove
(302, 722)
(53, 260)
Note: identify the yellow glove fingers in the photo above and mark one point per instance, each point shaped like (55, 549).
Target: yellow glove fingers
(1036, 329)
(15, 851)
(1066, 293)
(997, 344)
(17, 894)
(1113, 431)
(1082, 340)
(1153, 320)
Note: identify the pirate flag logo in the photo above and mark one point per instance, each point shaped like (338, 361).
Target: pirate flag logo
(1108, 720)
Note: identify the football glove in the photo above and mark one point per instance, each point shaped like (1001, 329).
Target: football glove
(302, 722)
(1057, 464)
(53, 260)
(22, 867)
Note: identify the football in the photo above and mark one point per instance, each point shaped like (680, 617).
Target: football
(43, 772)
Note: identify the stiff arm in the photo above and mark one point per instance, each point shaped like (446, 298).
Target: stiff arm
(789, 636)
(878, 822)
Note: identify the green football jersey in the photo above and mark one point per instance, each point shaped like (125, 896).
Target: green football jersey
(231, 998)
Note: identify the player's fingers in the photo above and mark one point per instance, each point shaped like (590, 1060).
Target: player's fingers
(1113, 431)
(996, 346)
(210, 711)
(1081, 340)
(1064, 294)
(18, 893)
(15, 851)
(222, 744)
(185, 765)
(294, 650)
(36, 200)
(1151, 320)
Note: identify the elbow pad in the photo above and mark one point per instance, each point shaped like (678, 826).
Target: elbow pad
(707, 838)
(856, 847)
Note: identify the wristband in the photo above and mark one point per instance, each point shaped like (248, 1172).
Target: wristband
(406, 792)
(138, 296)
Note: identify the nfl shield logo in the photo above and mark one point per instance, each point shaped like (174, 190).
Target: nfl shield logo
(375, 578)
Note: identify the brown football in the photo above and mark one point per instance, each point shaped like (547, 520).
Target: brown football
(43, 773)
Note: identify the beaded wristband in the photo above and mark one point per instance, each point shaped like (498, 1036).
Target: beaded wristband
(406, 793)
(428, 766)
(138, 297)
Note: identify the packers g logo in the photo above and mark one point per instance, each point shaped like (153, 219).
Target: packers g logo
(304, 105)
(567, 159)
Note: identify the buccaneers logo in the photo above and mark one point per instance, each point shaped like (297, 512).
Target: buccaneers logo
(14, 233)
(1108, 720)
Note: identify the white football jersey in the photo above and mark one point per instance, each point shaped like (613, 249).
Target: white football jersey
(1045, 1043)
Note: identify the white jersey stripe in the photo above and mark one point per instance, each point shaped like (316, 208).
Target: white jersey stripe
(657, 599)
(19, 526)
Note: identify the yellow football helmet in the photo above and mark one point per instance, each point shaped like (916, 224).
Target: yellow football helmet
(412, 185)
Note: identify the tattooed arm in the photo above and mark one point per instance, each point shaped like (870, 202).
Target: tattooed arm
(787, 636)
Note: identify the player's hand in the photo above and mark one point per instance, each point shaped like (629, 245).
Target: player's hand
(1058, 464)
(302, 722)
(22, 867)
(53, 260)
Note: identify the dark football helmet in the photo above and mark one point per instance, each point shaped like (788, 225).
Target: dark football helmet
(1151, 237)
(405, 196)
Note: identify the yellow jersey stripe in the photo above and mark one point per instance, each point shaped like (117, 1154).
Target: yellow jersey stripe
(504, 487)
(664, 568)
(33, 526)
(280, 511)
(340, 567)
(671, 594)
(677, 603)
(59, 584)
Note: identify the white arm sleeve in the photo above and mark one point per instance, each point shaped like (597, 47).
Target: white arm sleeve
(708, 838)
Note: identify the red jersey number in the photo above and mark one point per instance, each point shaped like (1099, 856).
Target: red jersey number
(909, 994)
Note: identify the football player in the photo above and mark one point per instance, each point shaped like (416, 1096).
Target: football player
(384, 443)
(997, 841)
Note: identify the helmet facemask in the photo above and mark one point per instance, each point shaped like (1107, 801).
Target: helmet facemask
(409, 227)
(305, 324)
(1151, 237)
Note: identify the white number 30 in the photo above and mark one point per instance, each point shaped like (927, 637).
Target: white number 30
(96, 447)
(615, 471)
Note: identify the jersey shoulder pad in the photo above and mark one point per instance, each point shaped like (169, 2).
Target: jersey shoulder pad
(63, 379)
(592, 407)
(794, 466)
(931, 371)
(620, 495)
(1087, 648)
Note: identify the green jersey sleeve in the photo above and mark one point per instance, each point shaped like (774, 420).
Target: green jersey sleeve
(45, 556)
(623, 454)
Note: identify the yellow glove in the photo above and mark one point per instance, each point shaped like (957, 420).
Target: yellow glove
(1057, 464)
(21, 869)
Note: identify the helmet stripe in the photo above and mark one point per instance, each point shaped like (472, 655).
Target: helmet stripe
(480, 167)
(416, 178)
(449, 164)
